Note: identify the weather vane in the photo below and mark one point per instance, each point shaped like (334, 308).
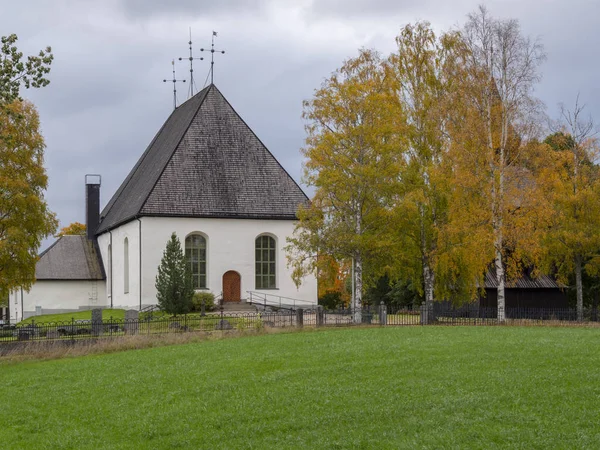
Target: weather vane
(191, 59)
(212, 56)
(175, 80)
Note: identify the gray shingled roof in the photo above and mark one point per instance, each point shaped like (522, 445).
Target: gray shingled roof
(70, 258)
(205, 162)
(524, 282)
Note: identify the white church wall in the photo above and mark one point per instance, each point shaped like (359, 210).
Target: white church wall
(230, 246)
(57, 296)
(116, 293)
(14, 305)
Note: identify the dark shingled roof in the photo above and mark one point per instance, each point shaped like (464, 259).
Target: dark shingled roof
(70, 258)
(205, 162)
(523, 282)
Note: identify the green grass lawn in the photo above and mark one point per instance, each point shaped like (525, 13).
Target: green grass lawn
(79, 315)
(412, 387)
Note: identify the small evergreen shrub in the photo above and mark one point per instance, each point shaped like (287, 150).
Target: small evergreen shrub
(174, 280)
(331, 300)
(207, 297)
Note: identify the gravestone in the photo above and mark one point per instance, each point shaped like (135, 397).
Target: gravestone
(131, 325)
(223, 325)
(23, 335)
(52, 334)
(96, 322)
(30, 331)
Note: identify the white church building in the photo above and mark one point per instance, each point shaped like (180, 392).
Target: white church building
(205, 176)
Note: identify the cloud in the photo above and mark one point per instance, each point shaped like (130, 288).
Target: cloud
(361, 8)
(106, 99)
(190, 8)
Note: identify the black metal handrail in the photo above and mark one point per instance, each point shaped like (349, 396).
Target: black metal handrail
(267, 300)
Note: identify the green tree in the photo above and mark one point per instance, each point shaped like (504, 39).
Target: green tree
(331, 300)
(14, 72)
(174, 281)
(404, 295)
(422, 72)
(378, 291)
(24, 215)
(349, 162)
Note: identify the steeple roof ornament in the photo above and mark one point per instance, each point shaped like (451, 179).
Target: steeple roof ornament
(212, 56)
(191, 59)
(175, 81)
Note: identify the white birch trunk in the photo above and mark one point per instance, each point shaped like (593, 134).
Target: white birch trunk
(427, 270)
(500, 278)
(358, 287)
(428, 279)
(579, 287)
(499, 244)
(497, 168)
(358, 271)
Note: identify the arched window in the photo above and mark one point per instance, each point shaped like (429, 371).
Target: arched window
(109, 270)
(195, 254)
(126, 266)
(265, 262)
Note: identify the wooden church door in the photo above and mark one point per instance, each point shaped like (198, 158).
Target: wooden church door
(232, 286)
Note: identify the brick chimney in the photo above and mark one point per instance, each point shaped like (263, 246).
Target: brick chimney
(92, 204)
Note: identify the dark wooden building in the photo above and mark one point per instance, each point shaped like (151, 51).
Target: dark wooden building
(525, 292)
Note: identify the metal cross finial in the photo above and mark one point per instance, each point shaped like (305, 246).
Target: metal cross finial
(175, 80)
(191, 59)
(212, 56)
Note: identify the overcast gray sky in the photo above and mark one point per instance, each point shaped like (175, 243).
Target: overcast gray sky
(106, 99)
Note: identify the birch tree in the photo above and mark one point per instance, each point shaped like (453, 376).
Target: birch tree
(503, 69)
(350, 137)
(73, 229)
(422, 71)
(572, 243)
(24, 215)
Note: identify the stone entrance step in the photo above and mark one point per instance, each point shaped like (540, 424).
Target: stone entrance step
(238, 307)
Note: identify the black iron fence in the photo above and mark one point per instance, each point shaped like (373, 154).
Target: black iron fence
(152, 324)
(372, 316)
(447, 314)
(443, 313)
(81, 329)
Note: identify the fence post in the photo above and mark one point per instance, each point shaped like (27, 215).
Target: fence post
(424, 311)
(382, 314)
(299, 318)
(319, 317)
(96, 322)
